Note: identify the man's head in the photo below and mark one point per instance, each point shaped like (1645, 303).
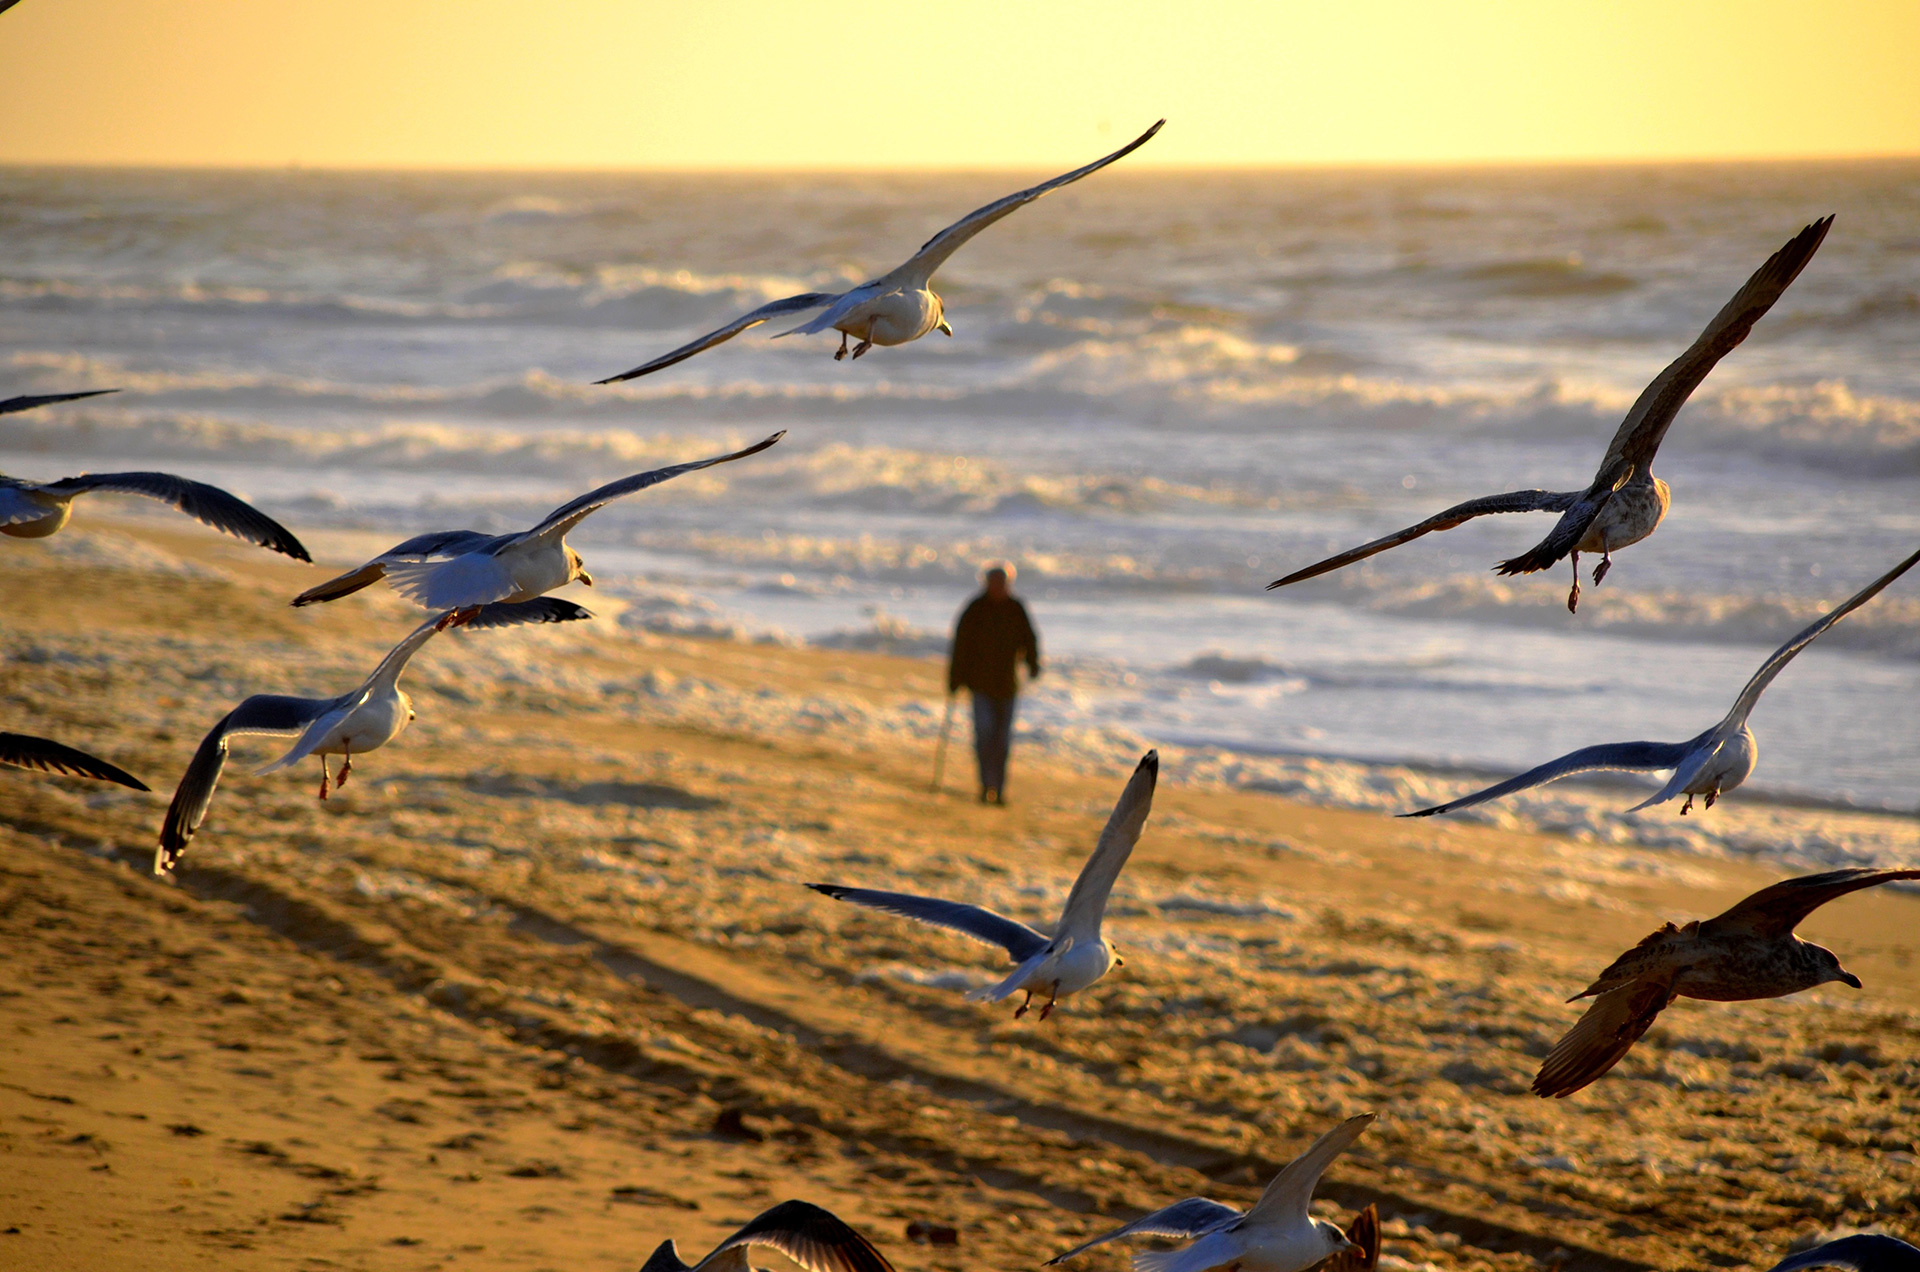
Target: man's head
(998, 578)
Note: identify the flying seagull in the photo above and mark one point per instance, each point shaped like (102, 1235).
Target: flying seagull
(34, 510)
(1626, 501)
(896, 307)
(816, 1239)
(27, 402)
(47, 756)
(1862, 1252)
(461, 569)
(1076, 955)
(1748, 952)
(1277, 1235)
(1709, 764)
(364, 720)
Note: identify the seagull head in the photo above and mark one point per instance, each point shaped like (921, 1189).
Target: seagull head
(940, 322)
(577, 568)
(1828, 964)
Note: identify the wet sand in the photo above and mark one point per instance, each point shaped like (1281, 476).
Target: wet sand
(539, 988)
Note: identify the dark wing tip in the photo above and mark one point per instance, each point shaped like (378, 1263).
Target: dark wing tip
(834, 890)
(665, 1258)
(1149, 763)
(1424, 812)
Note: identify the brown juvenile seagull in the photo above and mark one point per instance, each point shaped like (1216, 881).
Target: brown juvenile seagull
(816, 1239)
(1748, 952)
(1626, 501)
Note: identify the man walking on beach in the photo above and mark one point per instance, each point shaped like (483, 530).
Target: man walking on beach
(991, 637)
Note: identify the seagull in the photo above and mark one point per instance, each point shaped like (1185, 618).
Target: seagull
(1862, 1252)
(27, 402)
(1277, 1235)
(1709, 764)
(22, 751)
(1076, 955)
(1748, 952)
(34, 510)
(461, 569)
(1626, 501)
(367, 718)
(816, 1239)
(896, 307)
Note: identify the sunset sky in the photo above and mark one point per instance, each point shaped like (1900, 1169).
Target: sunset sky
(768, 83)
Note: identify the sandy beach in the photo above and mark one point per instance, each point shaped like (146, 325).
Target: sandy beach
(539, 988)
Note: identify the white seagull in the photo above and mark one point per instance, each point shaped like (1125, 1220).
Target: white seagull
(27, 401)
(22, 750)
(364, 720)
(1708, 764)
(1277, 1235)
(1076, 955)
(1625, 502)
(816, 1239)
(34, 510)
(461, 569)
(896, 307)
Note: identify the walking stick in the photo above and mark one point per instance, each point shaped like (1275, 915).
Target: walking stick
(940, 751)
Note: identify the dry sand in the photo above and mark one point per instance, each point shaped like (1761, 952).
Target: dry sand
(540, 987)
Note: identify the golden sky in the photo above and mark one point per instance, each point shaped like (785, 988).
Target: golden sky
(973, 83)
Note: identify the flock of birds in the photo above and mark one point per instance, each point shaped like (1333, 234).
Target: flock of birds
(475, 581)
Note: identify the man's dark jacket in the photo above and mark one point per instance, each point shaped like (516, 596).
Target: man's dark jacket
(990, 638)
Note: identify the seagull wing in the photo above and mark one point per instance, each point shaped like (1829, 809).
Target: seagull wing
(1364, 1231)
(665, 1258)
(262, 713)
(208, 504)
(816, 1239)
(1777, 662)
(47, 756)
(1862, 1252)
(569, 514)
(1080, 921)
(1609, 755)
(1193, 1217)
(1285, 1200)
(28, 402)
(935, 251)
(543, 609)
(439, 543)
(1602, 1036)
(774, 309)
(1775, 911)
(1017, 939)
(1459, 514)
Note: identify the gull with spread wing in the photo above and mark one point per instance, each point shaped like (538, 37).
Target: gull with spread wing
(364, 720)
(1076, 955)
(1625, 502)
(896, 307)
(1709, 764)
(21, 750)
(1277, 1235)
(34, 509)
(815, 1238)
(1748, 952)
(461, 569)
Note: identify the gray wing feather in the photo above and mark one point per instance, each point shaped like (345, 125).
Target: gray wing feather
(1286, 1198)
(1193, 1217)
(29, 401)
(569, 514)
(1607, 755)
(47, 756)
(1088, 900)
(790, 305)
(262, 713)
(816, 1239)
(1459, 514)
(544, 609)
(204, 503)
(1862, 1252)
(1017, 939)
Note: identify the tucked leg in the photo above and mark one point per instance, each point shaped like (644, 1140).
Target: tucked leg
(841, 352)
(1606, 563)
(1687, 807)
(1021, 1010)
(1712, 795)
(866, 344)
(1051, 999)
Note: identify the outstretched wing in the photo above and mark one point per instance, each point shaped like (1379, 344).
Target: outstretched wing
(29, 401)
(1608, 755)
(1777, 910)
(935, 251)
(1862, 1252)
(1640, 434)
(774, 309)
(1459, 514)
(1286, 1198)
(816, 1239)
(1088, 900)
(1777, 662)
(568, 515)
(1605, 1033)
(438, 543)
(665, 1258)
(262, 713)
(47, 756)
(1193, 1217)
(1017, 939)
(204, 503)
